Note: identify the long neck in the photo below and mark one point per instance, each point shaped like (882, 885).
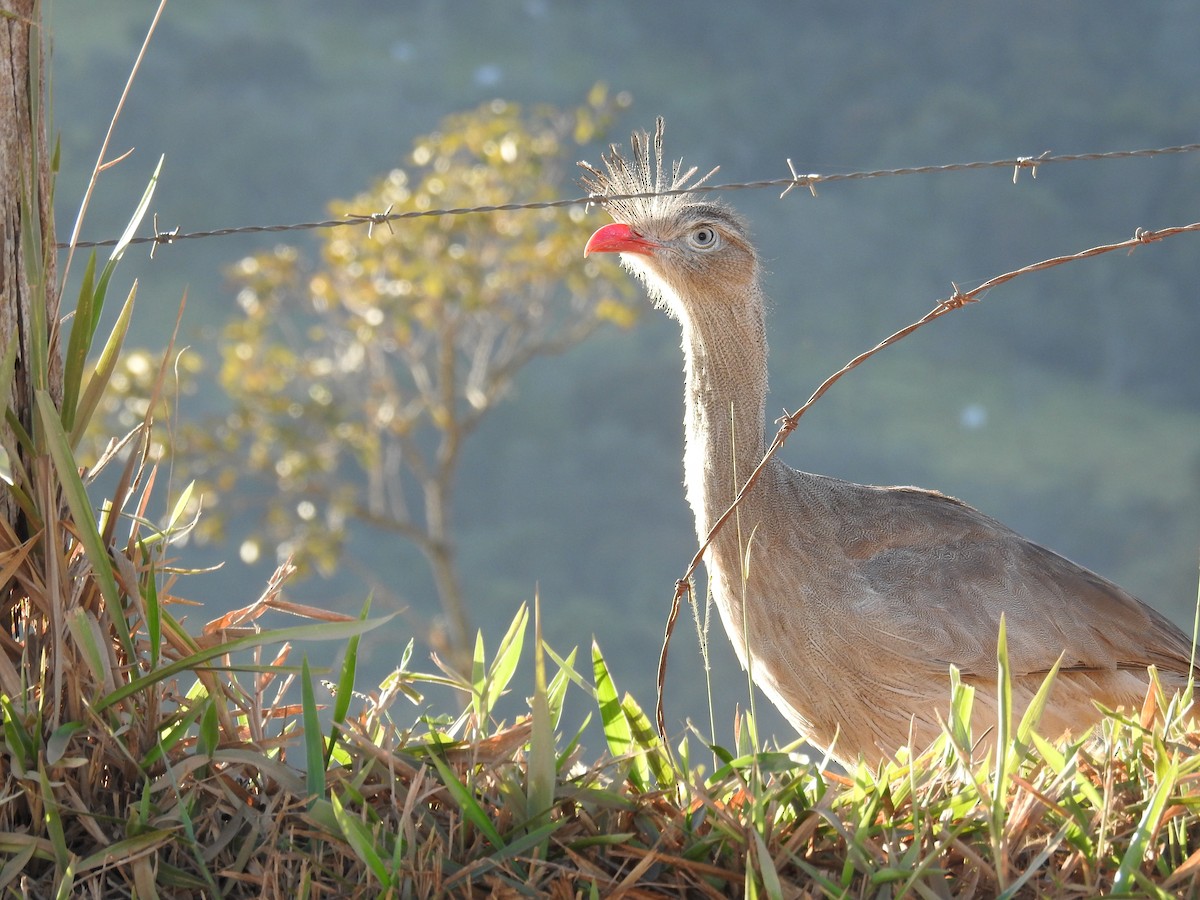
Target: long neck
(725, 363)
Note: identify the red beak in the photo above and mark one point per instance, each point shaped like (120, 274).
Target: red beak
(618, 238)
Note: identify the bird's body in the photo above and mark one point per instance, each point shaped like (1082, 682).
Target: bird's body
(851, 602)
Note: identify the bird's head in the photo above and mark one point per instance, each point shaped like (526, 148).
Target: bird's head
(687, 252)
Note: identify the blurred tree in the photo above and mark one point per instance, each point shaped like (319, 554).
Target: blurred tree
(355, 382)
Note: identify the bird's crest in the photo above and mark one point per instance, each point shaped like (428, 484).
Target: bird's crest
(642, 175)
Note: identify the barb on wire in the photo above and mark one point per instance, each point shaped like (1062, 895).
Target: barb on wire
(162, 237)
(373, 219)
(796, 179)
(1028, 162)
(788, 422)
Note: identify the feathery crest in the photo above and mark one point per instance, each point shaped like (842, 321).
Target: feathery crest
(640, 175)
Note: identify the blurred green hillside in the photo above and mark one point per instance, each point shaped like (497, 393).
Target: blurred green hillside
(1066, 404)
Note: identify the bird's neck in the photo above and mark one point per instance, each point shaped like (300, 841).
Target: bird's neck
(725, 363)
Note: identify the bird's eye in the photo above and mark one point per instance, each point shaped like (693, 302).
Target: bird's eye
(703, 237)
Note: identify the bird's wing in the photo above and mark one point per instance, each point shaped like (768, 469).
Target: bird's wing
(939, 574)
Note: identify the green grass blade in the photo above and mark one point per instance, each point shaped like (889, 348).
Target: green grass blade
(88, 312)
(542, 771)
(508, 654)
(617, 731)
(345, 685)
(1031, 868)
(31, 243)
(56, 745)
(190, 842)
(174, 523)
(106, 273)
(17, 738)
(15, 865)
(53, 820)
(210, 730)
(321, 812)
(81, 411)
(85, 632)
(79, 343)
(1004, 756)
(153, 613)
(467, 805)
(524, 844)
(326, 631)
(127, 847)
(1050, 754)
(1033, 713)
(360, 840)
(180, 508)
(84, 518)
(1147, 827)
(17, 443)
(479, 691)
(1152, 891)
(314, 755)
(766, 867)
(66, 884)
(169, 735)
(651, 749)
(557, 691)
(8, 369)
(566, 668)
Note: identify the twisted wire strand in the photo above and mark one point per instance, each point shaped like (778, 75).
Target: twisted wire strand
(795, 180)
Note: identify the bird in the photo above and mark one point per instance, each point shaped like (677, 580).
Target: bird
(851, 603)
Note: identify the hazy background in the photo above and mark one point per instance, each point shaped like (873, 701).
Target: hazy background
(1066, 404)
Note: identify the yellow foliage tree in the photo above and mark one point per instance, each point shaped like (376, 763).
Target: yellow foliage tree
(355, 382)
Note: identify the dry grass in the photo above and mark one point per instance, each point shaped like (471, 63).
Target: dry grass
(140, 759)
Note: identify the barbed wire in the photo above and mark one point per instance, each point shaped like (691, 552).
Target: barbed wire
(795, 180)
